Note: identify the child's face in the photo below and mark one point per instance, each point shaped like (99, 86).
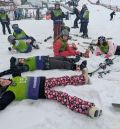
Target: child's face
(65, 37)
(57, 6)
(4, 82)
(21, 60)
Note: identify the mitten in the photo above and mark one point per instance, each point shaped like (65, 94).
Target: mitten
(107, 56)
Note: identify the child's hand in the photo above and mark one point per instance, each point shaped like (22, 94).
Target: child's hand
(107, 56)
(98, 54)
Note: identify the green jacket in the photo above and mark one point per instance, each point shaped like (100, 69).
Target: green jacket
(57, 12)
(27, 87)
(3, 17)
(20, 35)
(31, 62)
(19, 87)
(21, 46)
(104, 48)
(86, 14)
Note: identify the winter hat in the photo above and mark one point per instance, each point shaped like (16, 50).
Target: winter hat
(65, 32)
(101, 39)
(14, 26)
(11, 38)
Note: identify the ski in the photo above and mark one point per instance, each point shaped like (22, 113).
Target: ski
(46, 39)
(104, 72)
(93, 44)
(77, 35)
(93, 41)
(116, 105)
(107, 62)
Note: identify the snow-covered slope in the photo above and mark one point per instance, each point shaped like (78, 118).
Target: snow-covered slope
(46, 114)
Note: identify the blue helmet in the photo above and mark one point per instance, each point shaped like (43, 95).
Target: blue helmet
(101, 39)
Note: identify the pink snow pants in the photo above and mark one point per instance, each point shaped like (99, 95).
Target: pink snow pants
(72, 102)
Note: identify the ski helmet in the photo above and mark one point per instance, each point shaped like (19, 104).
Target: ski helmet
(2, 10)
(84, 6)
(65, 32)
(57, 3)
(101, 39)
(11, 38)
(14, 26)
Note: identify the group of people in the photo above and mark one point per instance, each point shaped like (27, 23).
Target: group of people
(83, 16)
(19, 88)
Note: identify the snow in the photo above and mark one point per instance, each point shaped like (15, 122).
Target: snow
(45, 114)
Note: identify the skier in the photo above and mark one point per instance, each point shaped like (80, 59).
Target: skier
(43, 63)
(19, 34)
(106, 47)
(84, 17)
(57, 16)
(22, 46)
(77, 13)
(111, 15)
(62, 48)
(5, 21)
(19, 88)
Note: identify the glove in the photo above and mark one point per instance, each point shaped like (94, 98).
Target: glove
(86, 54)
(9, 48)
(13, 51)
(77, 53)
(74, 46)
(107, 56)
(108, 61)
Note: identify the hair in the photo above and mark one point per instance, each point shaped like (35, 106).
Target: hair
(104, 43)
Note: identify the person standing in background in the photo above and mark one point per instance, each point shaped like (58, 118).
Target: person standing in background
(5, 21)
(57, 16)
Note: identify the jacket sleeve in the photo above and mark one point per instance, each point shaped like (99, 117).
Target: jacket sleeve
(71, 51)
(14, 69)
(63, 15)
(98, 51)
(68, 52)
(56, 48)
(8, 19)
(52, 15)
(6, 72)
(112, 48)
(6, 98)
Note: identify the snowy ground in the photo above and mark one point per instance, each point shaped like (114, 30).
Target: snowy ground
(45, 114)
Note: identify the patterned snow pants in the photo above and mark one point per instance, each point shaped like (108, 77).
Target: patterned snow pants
(72, 102)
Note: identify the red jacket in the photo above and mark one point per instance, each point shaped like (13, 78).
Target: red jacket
(69, 51)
